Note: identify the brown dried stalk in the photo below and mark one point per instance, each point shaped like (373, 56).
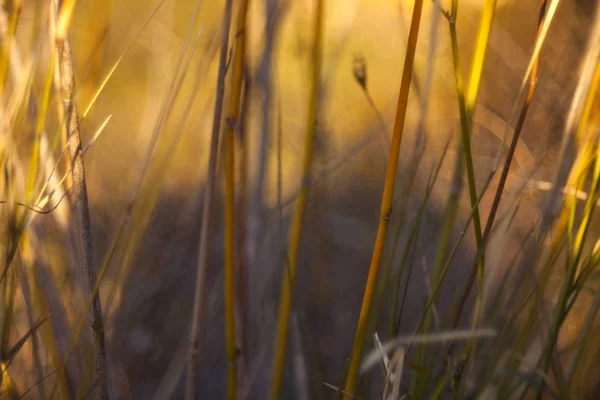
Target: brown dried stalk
(83, 213)
(209, 193)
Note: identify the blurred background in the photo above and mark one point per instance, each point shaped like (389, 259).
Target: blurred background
(148, 290)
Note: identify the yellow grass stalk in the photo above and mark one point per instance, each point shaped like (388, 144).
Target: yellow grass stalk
(472, 92)
(229, 138)
(386, 202)
(289, 270)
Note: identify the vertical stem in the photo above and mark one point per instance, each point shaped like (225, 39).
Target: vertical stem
(453, 199)
(472, 92)
(289, 270)
(83, 214)
(207, 208)
(386, 202)
(242, 238)
(230, 267)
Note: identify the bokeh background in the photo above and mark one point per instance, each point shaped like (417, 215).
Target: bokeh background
(148, 291)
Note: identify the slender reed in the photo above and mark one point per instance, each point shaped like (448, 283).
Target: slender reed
(207, 208)
(386, 202)
(83, 214)
(470, 99)
(452, 203)
(242, 238)
(289, 270)
(230, 270)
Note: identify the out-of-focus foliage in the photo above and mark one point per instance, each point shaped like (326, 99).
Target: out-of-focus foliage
(148, 288)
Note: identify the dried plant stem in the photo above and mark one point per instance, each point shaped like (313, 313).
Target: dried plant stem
(386, 202)
(207, 208)
(242, 239)
(230, 266)
(289, 270)
(83, 214)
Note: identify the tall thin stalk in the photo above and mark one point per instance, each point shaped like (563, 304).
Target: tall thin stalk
(455, 191)
(242, 237)
(207, 208)
(83, 214)
(289, 270)
(230, 270)
(386, 202)
(470, 99)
